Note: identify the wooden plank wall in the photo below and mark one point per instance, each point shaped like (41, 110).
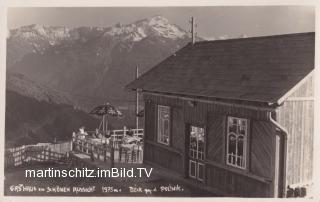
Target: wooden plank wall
(150, 116)
(215, 138)
(235, 184)
(197, 114)
(261, 152)
(163, 157)
(261, 144)
(262, 148)
(297, 116)
(178, 130)
(213, 118)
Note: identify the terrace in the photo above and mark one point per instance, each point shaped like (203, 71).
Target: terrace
(121, 146)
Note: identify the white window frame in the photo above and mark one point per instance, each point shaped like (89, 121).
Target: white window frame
(203, 171)
(196, 156)
(196, 153)
(245, 144)
(194, 163)
(160, 120)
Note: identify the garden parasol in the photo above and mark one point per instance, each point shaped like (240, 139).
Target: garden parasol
(105, 110)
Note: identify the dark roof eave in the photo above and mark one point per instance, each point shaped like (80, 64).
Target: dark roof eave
(271, 104)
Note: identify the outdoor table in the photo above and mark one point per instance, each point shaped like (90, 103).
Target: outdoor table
(99, 140)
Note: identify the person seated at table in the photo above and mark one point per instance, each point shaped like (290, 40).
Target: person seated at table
(108, 135)
(130, 133)
(82, 133)
(77, 135)
(98, 134)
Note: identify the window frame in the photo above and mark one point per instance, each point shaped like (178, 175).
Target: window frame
(199, 163)
(245, 143)
(203, 153)
(159, 125)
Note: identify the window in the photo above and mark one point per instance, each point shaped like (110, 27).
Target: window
(196, 146)
(237, 132)
(163, 124)
(196, 153)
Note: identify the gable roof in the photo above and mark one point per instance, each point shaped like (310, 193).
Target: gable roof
(261, 69)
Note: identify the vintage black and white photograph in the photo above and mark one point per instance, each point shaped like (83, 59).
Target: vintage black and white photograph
(197, 101)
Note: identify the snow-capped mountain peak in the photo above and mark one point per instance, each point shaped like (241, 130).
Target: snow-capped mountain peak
(154, 26)
(39, 39)
(136, 31)
(36, 30)
(162, 27)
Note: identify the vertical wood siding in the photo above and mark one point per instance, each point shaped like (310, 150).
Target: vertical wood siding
(305, 90)
(212, 117)
(198, 113)
(163, 157)
(235, 184)
(150, 118)
(215, 138)
(297, 117)
(262, 147)
(178, 130)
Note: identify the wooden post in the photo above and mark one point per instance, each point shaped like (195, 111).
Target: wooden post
(105, 153)
(192, 30)
(138, 152)
(137, 100)
(49, 154)
(103, 125)
(124, 131)
(92, 156)
(112, 157)
(71, 145)
(44, 155)
(24, 153)
(98, 148)
(83, 146)
(132, 154)
(106, 126)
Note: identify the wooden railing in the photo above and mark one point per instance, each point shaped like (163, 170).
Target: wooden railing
(94, 149)
(132, 154)
(27, 154)
(118, 134)
(111, 148)
(45, 156)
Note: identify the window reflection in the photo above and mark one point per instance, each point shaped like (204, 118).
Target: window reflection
(236, 141)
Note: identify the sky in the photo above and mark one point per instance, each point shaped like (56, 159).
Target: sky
(212, 22)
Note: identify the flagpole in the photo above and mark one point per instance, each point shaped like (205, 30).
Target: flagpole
(137, 100)
(105, 122)
(102, 126)
(106, 125)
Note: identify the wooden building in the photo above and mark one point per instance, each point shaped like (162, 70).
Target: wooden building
(235, 116)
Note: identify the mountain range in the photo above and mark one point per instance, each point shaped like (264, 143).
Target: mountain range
(56, 74)
(92, 64)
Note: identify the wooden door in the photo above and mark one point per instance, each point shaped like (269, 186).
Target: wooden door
(196, 150)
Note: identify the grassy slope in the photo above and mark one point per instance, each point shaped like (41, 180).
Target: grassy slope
(30, 121)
